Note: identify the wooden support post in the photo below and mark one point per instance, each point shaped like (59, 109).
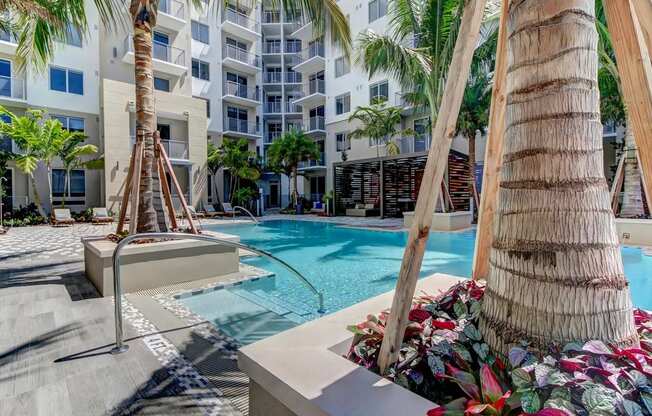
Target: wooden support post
(635, 69)
(135, 187)
(175, 183)
(617, 184)
(645, 188)
(644, 12)
(382, 189)
(126, 192)
(165, 188)
(442, 136)
(493, 158)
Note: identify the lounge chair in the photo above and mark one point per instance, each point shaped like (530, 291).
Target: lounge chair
(61, 218)
(228, 209)
(210, 211)
(363, 210)
(318, 208)
(194, 214)
(101, 216)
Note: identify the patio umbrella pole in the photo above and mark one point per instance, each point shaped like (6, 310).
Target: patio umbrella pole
(443, 133)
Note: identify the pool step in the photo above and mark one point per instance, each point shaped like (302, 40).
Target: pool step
(306, 311)
(258, 297)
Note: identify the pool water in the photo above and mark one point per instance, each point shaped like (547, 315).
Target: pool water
(347, 265)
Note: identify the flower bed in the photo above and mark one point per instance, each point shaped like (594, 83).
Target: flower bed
(444, 359)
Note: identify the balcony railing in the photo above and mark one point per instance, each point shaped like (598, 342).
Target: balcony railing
(317, 123)
(176, 149)
(272, 108)
(316, 86)
(161, 51)
(418, 143)
(293, 77)
(172, 7)
(241, 55)
(293, 47)
(270, 136)
(272, 77)
(312, 163)
(240, 126)
(293, 108)
(315, 49)
(240, 19)
(272, 47)
(12, 87)
(242, 91)
(271, 16)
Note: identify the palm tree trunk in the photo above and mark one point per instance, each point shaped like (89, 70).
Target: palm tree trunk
(633, 193)
(295, 183)
(215, 190)
(49, 173)
(556, 272)
(145, 113)
(37, 198)
(65, 187)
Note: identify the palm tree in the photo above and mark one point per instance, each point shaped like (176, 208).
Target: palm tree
(240, 162)
(72, 154)
(378, 123)
(143, 14)
(214, 162)
(614, 110)
(287, 152)
(38, 24)
(556, 272)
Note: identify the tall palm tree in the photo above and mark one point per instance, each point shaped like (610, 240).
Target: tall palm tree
(240, 161)
(38, 24)
(378, 124)
(556, 272)
(214, 163)
(287, 152)
(614, 110)
(143, 14)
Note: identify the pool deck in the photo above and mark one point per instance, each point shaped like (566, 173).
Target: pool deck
(55, 334)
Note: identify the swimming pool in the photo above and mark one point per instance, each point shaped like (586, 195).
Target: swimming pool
(348, 265)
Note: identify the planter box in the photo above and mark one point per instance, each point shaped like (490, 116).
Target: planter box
(301, 372)
(636, 232)
(444, 221)
(148, 266)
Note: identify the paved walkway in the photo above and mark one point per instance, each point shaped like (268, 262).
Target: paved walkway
(55, 334)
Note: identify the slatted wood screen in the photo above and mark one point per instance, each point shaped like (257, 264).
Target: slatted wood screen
(359, 182)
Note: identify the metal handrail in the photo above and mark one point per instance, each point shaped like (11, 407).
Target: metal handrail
(245, 210)
(120, 346)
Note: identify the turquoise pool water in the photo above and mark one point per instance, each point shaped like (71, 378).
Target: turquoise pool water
(348, 265)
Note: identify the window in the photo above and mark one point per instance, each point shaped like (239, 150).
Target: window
(421, 133)
(343, 104)
(76, 183)
(75, 124)
(200, 69)
(66, 80)
(379, 92)
(73, 36)
(161, 84)
(377, 9)
(199, 32)
(342, 66)
(342, 141)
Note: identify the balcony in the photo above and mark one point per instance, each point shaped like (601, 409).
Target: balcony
(316, 124)
(12, 88)
(418, 143)
(271, 17)
(301, 28)
(272, 108)
(240, 60)
(8, 43)
(241, 128)
(241, 94)
(166, 59)
(177, 150)
(314, 164)
(270, 136)
(272, 78)
(293, 78)
(171, 15)
(292, 108)
(311, 59)
(272, 47)
(240, 24)
(315, 94)
(292, 48)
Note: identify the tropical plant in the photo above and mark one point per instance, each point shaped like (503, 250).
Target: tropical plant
(214, 163)
(287, 152)
(556, 272)
(613, 110)
(243, 196)
(72, 153)
(322, 13)
(38, 24)
(241, 163)
(39, 140)
(378, 124)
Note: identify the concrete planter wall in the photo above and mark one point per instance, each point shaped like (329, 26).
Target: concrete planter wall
(148, 266)
(302, 371)
(444, 221)
(634, 231)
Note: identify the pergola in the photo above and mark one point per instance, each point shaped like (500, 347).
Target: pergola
(630, 26)
(393, 182)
